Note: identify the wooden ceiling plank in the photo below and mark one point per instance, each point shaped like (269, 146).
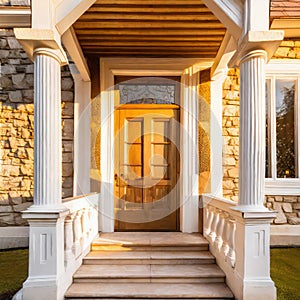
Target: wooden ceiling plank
(137, 32)
(149, 44)
(98, 17)
(150, 25)
(148, 2)
(133, 38)
(149, 9)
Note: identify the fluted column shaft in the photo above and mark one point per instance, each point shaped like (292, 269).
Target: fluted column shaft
(252, 130)
(47, 129)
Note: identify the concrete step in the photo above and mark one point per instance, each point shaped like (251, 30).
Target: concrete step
(149, 257)
(149, 273)
(148, 291)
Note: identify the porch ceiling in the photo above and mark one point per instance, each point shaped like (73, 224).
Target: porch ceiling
(149, 28)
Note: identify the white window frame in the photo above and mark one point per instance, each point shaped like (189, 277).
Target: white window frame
(289, 69)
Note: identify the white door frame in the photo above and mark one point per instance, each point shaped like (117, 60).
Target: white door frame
(187, 69)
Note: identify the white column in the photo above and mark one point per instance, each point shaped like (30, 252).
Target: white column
(252, 237)
(46, 215)
(47, 129)
(189, 153)
(252, 131)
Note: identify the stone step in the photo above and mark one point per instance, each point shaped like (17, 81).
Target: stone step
(145, 241)
(148, 291)
(149, 257)
(149, 273)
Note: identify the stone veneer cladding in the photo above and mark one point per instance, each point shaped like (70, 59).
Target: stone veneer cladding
(288, 207)
(16, 130)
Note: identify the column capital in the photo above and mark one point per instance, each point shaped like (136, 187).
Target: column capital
(267, 41)
(41, 41)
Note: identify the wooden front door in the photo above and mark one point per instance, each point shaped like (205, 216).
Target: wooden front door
(146, 167)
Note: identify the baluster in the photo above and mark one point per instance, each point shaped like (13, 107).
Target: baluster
(219, 230)
(225, 235)
(231, 242)
(212, 234)
(69, 238)
(209, 218)
(77, 233)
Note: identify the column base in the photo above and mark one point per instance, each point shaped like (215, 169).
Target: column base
(41, 288)
(259, 290)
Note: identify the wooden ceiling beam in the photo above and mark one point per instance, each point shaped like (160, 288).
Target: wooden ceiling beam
(149, 25)
(152, 54)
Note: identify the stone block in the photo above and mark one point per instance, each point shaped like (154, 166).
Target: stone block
(67, 96)
(228, 185)
(68, 109)
(229, 161)
(20, 2)
(67, 157)
(67, 146)
(5, 82)
(296, 206)
(21, 207)
(280, 218)
(278, 198)
(13, 43)
(67, 192)
(290, 199)
(294, 221)
(28, 96)
(67, 169)
(19, 81)
(68, 129)
(287, 44)
(66, 83)
(287, 207)
(233, 172)
(4, 2)
(8, 69)
(4, 54)
(67, 182)
(5, 209)
(3, 42)
(27, 169)
(282, 52)
(15, 96)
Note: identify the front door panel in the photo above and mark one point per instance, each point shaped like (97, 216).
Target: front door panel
(147, 164)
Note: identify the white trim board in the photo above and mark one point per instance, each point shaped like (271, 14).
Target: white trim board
(109, 67)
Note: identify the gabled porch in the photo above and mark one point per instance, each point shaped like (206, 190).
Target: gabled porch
(155, 39)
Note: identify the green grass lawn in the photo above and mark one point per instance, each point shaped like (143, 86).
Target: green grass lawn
(13, 271)
(285, 271)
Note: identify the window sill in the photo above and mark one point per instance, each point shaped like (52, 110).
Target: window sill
(282, 187)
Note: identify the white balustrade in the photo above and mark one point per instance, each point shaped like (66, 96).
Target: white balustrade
(220, 228)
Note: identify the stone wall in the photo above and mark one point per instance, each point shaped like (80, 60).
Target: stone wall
(16, 130)
(287, 206)
(230, 128)
(15, 2)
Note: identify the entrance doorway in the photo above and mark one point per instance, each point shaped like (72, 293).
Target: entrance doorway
(146, 167)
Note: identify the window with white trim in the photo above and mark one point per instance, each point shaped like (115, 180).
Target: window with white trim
(282, 127)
